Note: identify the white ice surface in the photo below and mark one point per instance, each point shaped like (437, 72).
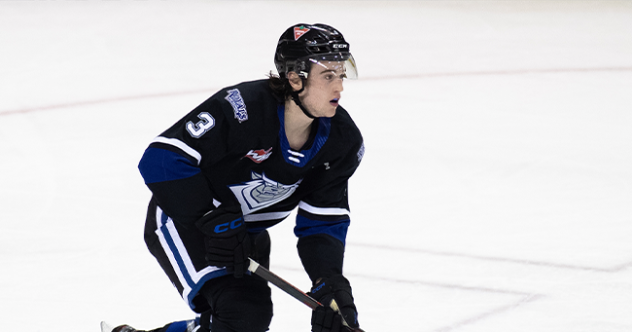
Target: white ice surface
(495, 194)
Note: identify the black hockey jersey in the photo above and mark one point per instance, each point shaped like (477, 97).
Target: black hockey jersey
(232, 149)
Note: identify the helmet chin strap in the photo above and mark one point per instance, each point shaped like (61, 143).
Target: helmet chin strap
(297, 100)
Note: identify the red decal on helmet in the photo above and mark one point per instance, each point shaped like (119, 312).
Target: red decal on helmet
(299, 31)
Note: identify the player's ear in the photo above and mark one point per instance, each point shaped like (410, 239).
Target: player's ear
(295, 81)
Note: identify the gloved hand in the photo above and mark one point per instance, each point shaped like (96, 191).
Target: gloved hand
(226, 240)
(326, 319)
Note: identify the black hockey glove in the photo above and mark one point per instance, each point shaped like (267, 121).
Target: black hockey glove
(226, 240)
(334, 289)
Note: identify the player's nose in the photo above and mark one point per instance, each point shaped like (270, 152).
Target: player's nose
(338, 86)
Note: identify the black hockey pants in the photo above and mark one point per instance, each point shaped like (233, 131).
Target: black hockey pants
(232, 304)
(241, 304)
(237, 304)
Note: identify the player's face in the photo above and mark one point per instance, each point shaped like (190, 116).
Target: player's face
(324, 87)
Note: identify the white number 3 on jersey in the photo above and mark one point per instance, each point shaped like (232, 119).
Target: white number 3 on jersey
(201, 127)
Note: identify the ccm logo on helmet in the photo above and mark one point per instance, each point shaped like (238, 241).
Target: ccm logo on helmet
(339, 45)
(221, 228)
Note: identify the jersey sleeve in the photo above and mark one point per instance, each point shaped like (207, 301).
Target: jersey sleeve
(172, 164)
(323, 216)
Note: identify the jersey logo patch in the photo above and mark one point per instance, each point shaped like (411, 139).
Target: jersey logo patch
(361, 153)
(299, 31)
(261, 192)
(258, 156)
(239, 106)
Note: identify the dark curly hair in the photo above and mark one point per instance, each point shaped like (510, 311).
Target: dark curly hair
(281, 87)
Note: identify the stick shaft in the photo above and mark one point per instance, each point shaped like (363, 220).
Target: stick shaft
(293, 291)
(283, 285)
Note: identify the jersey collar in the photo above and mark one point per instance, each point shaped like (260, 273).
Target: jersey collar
(302, 157)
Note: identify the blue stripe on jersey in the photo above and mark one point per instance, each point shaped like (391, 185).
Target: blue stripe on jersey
(306, 226)
(158, 165)
(301, 158)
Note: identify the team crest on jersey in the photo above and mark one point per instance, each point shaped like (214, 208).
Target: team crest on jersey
(299, 31)
(239, 106)
(258, 156)
(261, 192)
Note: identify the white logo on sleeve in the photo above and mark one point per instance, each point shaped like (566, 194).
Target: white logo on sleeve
(239, 106)
(261, 192)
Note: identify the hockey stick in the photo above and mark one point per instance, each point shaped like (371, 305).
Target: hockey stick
(284, 285)
(293, 291)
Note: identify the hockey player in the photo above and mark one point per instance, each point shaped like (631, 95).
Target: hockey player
(238, 164)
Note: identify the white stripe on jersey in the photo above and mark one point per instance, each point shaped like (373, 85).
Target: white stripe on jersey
(322, 211)
(180, 145)
(266, 216)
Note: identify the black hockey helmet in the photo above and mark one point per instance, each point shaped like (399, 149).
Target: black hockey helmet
(302, 45)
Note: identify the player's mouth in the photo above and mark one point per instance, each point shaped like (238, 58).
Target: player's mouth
(334, 102)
